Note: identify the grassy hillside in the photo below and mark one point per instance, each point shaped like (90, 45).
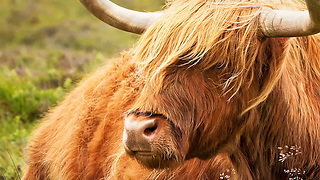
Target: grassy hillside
(46, 46)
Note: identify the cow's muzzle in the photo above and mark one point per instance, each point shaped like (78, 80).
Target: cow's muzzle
(143, 138)
(139, 133)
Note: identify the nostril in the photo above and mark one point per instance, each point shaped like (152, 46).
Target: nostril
(150, 130)
(141, 128)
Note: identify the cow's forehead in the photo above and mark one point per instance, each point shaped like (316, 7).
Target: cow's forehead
(199, 35)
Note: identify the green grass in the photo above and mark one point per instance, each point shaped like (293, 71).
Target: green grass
(12, 141)
(28, 89)
(46, 47)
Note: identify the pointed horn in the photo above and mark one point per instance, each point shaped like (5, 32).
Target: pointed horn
(119, 17)
(278, 23)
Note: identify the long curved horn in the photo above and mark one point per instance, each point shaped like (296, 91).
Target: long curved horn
(279, 23)
(119, 17)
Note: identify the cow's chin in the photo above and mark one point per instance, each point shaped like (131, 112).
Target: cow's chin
(153, 160)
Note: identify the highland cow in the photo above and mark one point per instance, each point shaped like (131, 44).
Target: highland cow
(214, 89)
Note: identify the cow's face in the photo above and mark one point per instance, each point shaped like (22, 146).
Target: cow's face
(191, 69)
(182, 116)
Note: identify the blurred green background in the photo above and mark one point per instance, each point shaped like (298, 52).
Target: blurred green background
(46, 47)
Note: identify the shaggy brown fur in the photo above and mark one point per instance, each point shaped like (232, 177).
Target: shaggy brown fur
(245, 106)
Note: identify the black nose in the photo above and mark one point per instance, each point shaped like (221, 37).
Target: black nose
(139, 132)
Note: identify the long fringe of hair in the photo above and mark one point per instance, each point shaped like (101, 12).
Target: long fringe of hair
(219, 34)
